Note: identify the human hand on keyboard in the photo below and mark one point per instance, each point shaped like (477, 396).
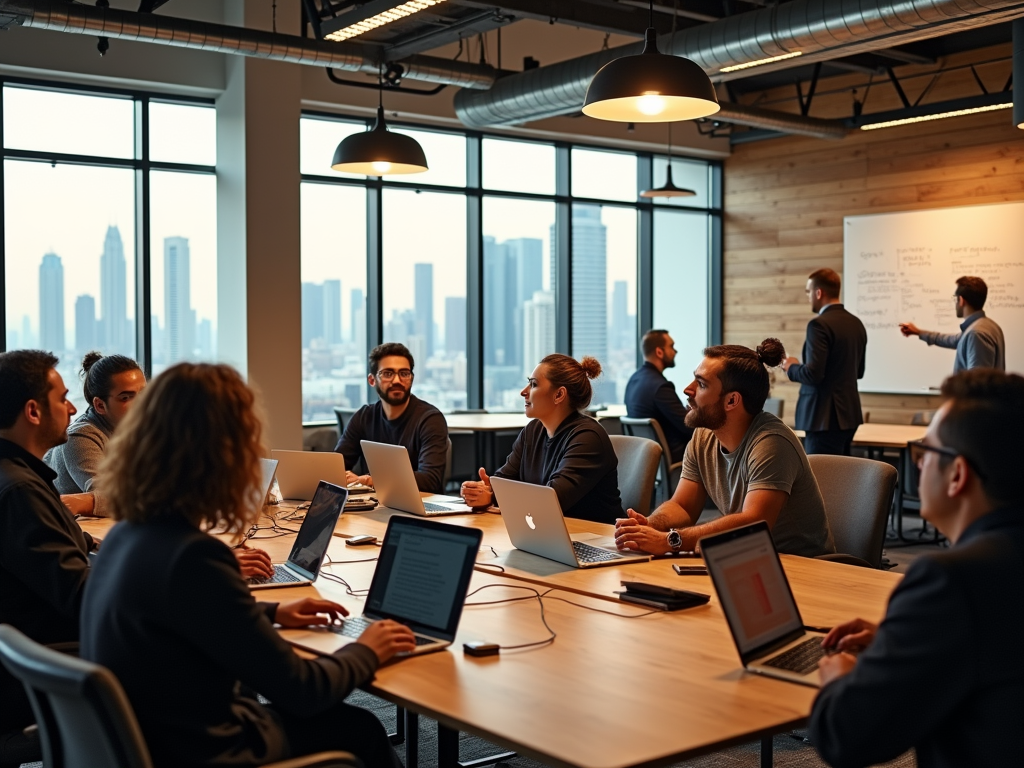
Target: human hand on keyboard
(835, 666)
(254, 563)
(309, 610)
(386, 638)
(855, 635)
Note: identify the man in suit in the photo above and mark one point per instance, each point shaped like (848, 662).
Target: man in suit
(649, 395)
(828, 408)
(938, 674)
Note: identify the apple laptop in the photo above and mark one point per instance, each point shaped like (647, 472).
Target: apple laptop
(759, 605)
(420, 580)
(395, 483)
(311, 543)
(268, 467)
(299, 472)
(535, 524)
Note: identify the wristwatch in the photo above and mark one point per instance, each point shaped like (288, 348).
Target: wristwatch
(675, 540)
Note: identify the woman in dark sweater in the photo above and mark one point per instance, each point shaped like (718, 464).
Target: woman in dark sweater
(561, 447)
(166, 608)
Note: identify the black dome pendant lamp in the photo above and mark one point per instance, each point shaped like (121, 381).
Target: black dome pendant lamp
(651, 87)
(668, 189)
(379, 152)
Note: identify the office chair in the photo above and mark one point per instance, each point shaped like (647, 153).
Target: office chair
(343, 415)
(775, 406)
(639, 460)
(857, 494)
(84, 717)
(668, 473)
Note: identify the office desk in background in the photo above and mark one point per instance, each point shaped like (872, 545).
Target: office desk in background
(487, 429)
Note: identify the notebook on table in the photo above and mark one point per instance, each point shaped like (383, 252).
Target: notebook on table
(395, 483)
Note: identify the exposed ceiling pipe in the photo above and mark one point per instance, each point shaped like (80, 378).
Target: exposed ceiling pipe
(819, 29)
(782, 122)
(220, 38)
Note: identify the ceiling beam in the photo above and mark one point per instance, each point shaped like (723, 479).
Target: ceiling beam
(612, 18)
(438, 33)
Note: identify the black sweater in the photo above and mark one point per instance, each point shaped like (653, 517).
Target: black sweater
(578, 462)
(167, 611)
(421, 429)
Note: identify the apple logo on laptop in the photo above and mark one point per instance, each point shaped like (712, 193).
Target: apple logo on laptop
(529, 522)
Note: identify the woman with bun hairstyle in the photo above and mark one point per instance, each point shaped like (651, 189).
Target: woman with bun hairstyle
(561, 447)
(751, 464)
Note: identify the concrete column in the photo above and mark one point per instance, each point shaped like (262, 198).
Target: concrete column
(258, 274)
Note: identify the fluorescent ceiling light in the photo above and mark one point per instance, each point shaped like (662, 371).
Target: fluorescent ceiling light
(760, 62)
(939, 116)
(367, 17)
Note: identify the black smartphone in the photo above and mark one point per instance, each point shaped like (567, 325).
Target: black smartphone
(690, 570)
(361, 540)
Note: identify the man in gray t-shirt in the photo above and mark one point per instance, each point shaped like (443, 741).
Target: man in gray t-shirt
(751, 465)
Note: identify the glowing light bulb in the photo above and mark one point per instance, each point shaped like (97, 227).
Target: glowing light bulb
(651, 104)
(381, 166)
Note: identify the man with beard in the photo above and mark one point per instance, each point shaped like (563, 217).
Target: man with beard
(649, 395)
(750, 464)
(398, 418)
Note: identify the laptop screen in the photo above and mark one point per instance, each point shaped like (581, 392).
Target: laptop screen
(317, 526)
(751, 586)
(422, 574)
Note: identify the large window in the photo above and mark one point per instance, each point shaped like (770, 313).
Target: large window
(74, 201)
(505, 251)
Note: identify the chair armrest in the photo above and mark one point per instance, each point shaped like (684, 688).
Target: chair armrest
(845, 559)
(321, 760)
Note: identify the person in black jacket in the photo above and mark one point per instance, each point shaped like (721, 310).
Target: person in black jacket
(649, 395)
(43, 552)
(168, 612)
(828, 408)
(561, 447)
(940, 673)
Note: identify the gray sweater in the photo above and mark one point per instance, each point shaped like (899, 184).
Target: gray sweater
(77, 460)
(979, 344)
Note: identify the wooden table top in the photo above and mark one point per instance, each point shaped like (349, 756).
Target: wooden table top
(486, 422)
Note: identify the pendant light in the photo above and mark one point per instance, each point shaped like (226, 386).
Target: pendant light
(668, 189)
(650, 87)
(379, 152)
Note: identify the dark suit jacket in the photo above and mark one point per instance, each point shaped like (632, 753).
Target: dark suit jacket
(833, 361)
(943, 674)
(649, 395)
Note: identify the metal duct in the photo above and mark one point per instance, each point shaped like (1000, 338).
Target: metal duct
(220, 38)
(781, 121)
(819, 29)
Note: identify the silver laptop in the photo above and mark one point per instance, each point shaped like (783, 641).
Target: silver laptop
(535, 524)
(420, 580)
(311, 543)
(759, 605)
(300, 472)
(396, 487)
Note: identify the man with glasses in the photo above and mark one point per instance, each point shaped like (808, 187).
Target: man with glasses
(980, 342)
(398, 418)
(941, 673)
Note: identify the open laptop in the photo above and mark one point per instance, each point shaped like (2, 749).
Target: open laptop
(396, 487)
(420, 580)
(299, 472)
(311, 543)
(268, 468)
(535, 524)
(759, 606)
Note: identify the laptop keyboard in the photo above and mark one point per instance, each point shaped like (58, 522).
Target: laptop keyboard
(802, 658)
(431, 507)
(355, 626)
(281, 576)
(587, 553)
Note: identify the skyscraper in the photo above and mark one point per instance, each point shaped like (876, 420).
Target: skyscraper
(538, 329)
(85, 324)
(51, 304)
(115, 332)
(498, 332)
(526, 260)
(620, 330)
(454, 325)
(589, 283)
(332, 311)
(312, 313)
(357, 319)
(180, 322)
(424, 286)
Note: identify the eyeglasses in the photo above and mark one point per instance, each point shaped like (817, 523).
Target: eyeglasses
(387, 374)
(918, 448)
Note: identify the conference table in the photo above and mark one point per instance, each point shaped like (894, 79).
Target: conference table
(619, 686)
(486, 429)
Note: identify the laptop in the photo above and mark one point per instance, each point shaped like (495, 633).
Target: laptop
(268, 467)
(299, 472)
(396, 487)
(535, 524)
(759, 606)
(420, 580)
(311, 543)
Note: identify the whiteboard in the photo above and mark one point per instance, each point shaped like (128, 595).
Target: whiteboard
(902, 267)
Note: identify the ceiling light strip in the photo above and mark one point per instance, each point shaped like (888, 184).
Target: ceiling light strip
(938, 116)
(761, 62)
(379, 20)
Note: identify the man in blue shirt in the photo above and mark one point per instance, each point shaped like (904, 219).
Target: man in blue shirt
(980, 342)
(649, 395)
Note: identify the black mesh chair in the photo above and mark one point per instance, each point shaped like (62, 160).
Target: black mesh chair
(84, 717)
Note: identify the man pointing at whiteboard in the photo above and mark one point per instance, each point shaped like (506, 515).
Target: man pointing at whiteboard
(980, 342)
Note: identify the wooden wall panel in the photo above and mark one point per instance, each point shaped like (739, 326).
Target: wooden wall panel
(785, 200)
